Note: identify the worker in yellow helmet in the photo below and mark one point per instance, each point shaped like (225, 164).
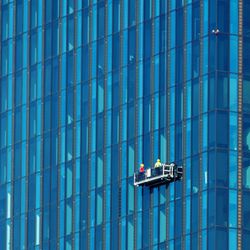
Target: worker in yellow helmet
(142, 168)
(158, 163)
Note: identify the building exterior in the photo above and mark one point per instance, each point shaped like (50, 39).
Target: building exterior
(90, 89)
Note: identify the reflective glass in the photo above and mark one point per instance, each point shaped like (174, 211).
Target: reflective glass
(91, 89)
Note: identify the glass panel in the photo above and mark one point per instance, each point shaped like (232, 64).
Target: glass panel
(5, 23)
(232, 208)
(232, 239)
(19, 17)
(222, 91)
(222, 130)
(222, 207)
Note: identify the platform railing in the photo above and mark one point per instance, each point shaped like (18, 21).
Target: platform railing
(164, 173)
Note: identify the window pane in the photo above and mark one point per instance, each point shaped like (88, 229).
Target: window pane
(3, 95)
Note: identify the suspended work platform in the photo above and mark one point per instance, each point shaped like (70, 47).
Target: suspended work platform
(164, 174)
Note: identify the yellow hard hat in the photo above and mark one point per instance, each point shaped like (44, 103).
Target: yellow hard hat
(158, 160)
(142, 165)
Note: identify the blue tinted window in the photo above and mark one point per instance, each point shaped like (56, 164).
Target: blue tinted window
(100, 58)
(211, 208)
(48, 11)
(222, 91)
(221, 237)
(146, 78)
(147, 39)
(211, 92)
(18, 123)
(131, 45)
(212, 57)
(131, 82)
(4, 58)
(245, 239)
(223, 17)
(2, 202)
(17, 162)
(19, 52)
(18, 89)
(246, 210)
(115, 89)
(85, 59)
(19, 16)
(54, 111)
(85, 26)
(34, 13)
(47, 87)
(100, 134)
(47, 114)
(48, 40)
(71, 34)
(32, 157)
(179, 26)
(196, 20)
(132, 12)
(3, 133)
(147, 9)
(246, 52)
(55, 77)
(116, 52)
(70, 69)
(46, 151)
(195, 135)
(32, 119)
(33, 53)
(55, 38)
(196, 59)
(116, 15)
(101, 18)
(222, 127)
(223, 52)
(3, 95)
(195, 97)
(5, 23)
(222, 168)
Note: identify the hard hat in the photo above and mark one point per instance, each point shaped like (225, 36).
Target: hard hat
(158, 160)
(142, 165)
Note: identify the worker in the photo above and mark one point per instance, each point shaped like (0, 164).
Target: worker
(158, 163)
(142, 168)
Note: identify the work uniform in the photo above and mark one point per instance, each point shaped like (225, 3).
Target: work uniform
(142, 168)
(158, 164)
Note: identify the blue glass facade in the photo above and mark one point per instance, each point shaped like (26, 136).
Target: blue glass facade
(89, 89)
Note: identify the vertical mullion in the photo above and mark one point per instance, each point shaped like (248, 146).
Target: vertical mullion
(152, 64)
(105, 126)
(240, 123)
(120, 121)
(200, 126)
(168, 113)
(184, 129)
(89, 119)
(136, 193)
(42, 119)
(74, 126)
(152, 82)
(27, 126)
(13, 122)
(59, 121)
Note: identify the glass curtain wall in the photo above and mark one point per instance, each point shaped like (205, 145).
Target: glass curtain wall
(90, 89)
